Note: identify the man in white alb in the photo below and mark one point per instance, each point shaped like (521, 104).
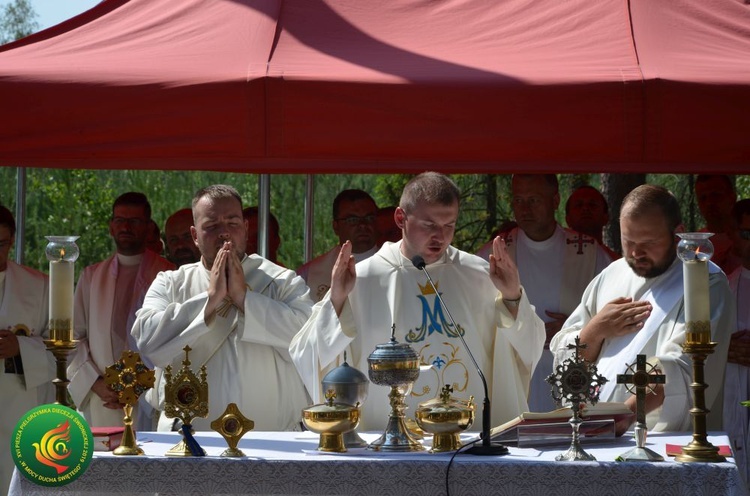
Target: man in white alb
(487, 302)
(737, 377)
(29, 368)
(237, 312)
(354, 216)
(635, 306)
(555, 265)
(107, 295)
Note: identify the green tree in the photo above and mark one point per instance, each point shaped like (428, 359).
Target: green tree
(17, 20)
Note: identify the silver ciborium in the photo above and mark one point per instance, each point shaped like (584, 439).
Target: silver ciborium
(395, 365)
(350, 386)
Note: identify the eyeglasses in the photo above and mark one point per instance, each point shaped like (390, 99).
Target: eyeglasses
(133, 221)
(744, 234)
(354, 220)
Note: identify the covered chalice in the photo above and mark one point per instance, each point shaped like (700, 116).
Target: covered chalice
(331, 420)
(445, 418)
(395, 365)
(350, 386)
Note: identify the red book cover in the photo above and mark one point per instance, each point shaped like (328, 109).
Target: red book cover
(107, 438)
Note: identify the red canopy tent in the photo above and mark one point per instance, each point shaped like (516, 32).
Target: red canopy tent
(290, 86)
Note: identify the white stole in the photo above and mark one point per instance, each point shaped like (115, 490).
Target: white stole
(621, 351)
(103, 284)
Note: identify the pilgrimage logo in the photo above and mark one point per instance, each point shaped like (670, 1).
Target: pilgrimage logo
(52, 445)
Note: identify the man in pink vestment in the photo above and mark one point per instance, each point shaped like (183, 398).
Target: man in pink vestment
(108, 294)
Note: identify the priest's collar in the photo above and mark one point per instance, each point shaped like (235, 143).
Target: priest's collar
(358, 257)
(129, 260)
(404, 261)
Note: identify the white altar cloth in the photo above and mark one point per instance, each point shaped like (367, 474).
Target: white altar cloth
(287, 463)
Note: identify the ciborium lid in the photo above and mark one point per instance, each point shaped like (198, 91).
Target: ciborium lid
(331, 416)
(393, 363)
(393, 351)
(344, 374)
(445, 407)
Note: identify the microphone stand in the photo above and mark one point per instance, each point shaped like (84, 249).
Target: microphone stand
(487, 447)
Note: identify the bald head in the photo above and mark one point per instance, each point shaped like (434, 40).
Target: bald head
(181, 248)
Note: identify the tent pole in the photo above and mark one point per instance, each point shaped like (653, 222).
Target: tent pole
(264, 207)
(20, 213)
(309, 215)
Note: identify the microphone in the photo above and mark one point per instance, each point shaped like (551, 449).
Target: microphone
(487, 447)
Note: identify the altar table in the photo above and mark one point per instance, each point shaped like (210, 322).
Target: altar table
(287, 463)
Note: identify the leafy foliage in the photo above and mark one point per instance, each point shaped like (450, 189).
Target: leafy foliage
(17, 20)
(61, 201)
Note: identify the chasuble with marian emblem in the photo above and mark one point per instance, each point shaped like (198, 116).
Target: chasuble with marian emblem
(390, 290)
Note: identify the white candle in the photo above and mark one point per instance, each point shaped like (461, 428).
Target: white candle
(697, 305)
(61, 299)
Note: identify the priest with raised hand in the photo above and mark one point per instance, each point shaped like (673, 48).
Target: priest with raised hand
(635, 306)
(489, 306)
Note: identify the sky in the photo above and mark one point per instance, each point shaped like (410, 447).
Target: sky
(51, 12)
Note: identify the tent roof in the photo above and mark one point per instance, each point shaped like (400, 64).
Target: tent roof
(350, 86)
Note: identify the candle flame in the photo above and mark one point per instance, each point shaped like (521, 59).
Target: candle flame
(62, 253)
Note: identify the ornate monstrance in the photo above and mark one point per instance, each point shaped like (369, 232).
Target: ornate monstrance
(129, 378)
(577, 382)
(186, 397)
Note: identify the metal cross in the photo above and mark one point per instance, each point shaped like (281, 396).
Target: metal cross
(580, 241)
(642, 379)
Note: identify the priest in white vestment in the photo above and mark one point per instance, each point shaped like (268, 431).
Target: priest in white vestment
(354, 217)
(25, 381)
(490, 309)
(238, 313)
(107, 296)
(635, 306)
(737, 377)
(555, 266)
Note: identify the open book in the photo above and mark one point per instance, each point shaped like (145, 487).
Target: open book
(556, 421)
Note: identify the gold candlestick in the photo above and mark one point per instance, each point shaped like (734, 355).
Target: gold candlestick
(695, 250)
(62, 252)
(699, 449)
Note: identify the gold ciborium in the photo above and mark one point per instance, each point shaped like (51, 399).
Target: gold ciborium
(129, 378)
(331, 420)
(395, 365)
(350, 386)
(445, 418)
